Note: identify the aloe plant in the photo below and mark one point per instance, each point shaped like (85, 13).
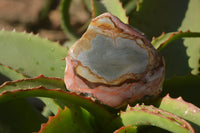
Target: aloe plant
(36, 68)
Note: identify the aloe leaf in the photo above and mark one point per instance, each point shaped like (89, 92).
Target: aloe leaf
(28, 83)
(112, 6)
(51, 107)
(181, 108)
(131, 6)
(127, 129)
(175, 53)
(88, 5)
(154, 17)
(11, 73)
(185, 86)
(160, 42)
(66, 120)
(191, 21)
(19, 116)
(27, 53)
(102, 116)
(97, 8)
(65, 20)
(149, 115)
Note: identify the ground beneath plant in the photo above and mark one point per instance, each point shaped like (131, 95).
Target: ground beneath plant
(26, 15)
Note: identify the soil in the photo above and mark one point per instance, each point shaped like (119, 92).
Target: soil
(25, 15)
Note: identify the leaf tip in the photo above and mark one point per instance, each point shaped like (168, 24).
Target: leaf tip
(51, 118)
(188, 30)
(153, 38)
(180, 98)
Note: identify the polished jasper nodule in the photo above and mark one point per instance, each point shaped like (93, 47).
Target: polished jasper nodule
(114, 63)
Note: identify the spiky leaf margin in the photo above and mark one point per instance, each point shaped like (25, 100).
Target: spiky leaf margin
(185, 86)
(68, 120)
(149, 115)
(28, 83)
(162, 41)
(191, 21)
(127, 129)
(11, 73)
(181, 108)
(175, 53)
(27, 53)
(101, 115)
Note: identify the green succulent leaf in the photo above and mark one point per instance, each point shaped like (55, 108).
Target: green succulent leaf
(191, 21)
(185, 86)
(127, 129)
(160, 42)
(112, 6)
(19, 116)
(88, 5)
(149, 20)
(101, 115)
(65, 20)
(154, 17)
(51, 106)
(149, 115)
(68, 120)
(28, 83)
(27, 53)
(181, 108)
(97, 8)
(10, 73)
(131, 6)
(175, 54)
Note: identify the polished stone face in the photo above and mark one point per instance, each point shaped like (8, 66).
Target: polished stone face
(111, 58)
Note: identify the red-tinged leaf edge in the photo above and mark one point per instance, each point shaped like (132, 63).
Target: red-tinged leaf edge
(29, 83)
(51, 118)
(39, 81)
(139, 5)
(101, 115)
(71, 119)
(28, 53)
(186, 86)
(165, 38)
(149, 115)
(11, 73)
(181, 108)
(128, 129)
